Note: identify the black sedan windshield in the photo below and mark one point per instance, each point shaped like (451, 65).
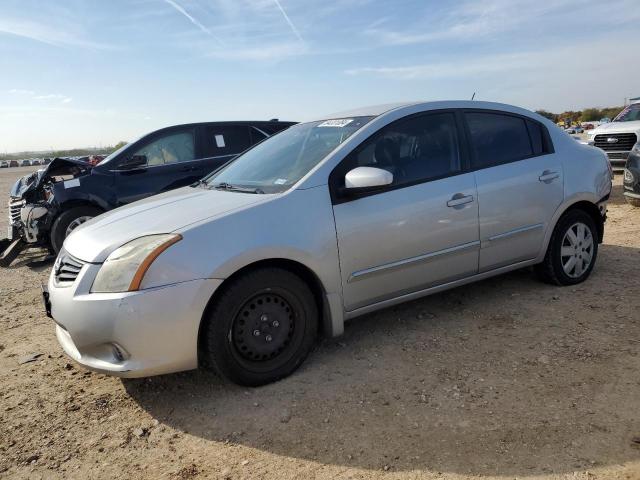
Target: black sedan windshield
(276, 164)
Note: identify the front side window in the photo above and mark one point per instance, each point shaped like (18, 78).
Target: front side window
(277, 163)
(497, 138)
(414, 150)
(172, 148)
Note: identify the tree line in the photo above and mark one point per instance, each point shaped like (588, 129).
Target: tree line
(73, 152)
(586, 115)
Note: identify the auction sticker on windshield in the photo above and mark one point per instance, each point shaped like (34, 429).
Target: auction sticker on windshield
(343, 122)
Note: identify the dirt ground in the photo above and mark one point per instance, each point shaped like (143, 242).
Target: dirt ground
(505, 378)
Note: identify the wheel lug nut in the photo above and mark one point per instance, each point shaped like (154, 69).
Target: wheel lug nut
(268, 338)
(275, 324)
(256, 333)
(264, 318)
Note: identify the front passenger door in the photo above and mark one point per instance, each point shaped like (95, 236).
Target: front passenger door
(420, 231)
(164, 162)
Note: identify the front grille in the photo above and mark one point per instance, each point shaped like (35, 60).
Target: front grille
(620, 142)
(66, 268)
(618, 155)
(14, 210)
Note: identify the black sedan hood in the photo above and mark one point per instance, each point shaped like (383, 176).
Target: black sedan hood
(57, 168)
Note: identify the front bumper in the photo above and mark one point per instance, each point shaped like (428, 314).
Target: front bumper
(133, 334)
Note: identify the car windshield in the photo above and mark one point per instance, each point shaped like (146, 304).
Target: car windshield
(274, 165)
(629, 114)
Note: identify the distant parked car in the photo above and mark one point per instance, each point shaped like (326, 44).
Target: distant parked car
(35, 162)
(573, 130)
(46, 161)
(588, 126)
(631, 180)
(14, 163)
(326, 221)
(25, 163)
(4, 164)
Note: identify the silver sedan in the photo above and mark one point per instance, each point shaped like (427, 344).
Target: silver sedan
(323, 222)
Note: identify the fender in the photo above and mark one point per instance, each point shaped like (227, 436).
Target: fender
(564, 206)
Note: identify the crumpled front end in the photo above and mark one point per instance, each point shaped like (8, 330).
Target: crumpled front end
(33, 207)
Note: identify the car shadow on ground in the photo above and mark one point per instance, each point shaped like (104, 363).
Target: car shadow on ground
(508, 376)
(617, 195)
(36, 259)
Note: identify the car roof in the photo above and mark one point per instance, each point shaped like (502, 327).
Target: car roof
(239, 122)
(378, 110)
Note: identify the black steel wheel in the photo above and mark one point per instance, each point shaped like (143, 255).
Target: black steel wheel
(261, 328)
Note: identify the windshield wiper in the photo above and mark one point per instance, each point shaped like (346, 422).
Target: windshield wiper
(233, 188)
(199, 183)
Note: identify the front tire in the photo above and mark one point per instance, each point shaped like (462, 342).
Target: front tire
(261, 328)
(572, 250)
(67, 221)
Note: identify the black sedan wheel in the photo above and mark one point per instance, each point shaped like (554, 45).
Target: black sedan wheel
(261, 328)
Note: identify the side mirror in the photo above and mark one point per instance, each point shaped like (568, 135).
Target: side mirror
(366, 179)
(134, 162)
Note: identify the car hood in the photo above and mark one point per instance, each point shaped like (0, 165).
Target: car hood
(58, 167)
(164, 213)
(617, 127)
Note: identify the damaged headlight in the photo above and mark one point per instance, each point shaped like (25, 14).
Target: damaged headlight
(124, 269)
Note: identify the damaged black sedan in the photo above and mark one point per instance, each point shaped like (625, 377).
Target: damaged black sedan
(47, 205)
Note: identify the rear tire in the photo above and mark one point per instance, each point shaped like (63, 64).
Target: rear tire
(572, 250)
(64, 224)
(261, 328)
(632, 201)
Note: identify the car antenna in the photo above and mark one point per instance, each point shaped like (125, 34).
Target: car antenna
(473, 96)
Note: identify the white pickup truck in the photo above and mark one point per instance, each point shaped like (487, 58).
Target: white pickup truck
(618, 138)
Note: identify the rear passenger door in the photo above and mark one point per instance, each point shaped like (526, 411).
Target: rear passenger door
(222, 142)
(520, 185)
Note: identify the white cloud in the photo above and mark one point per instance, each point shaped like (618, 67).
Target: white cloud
(294, 29)
(536, 79)
(474, 20)
(44, 96)
(273, 52)
(191, 18)
(45, 33)
(20, 91)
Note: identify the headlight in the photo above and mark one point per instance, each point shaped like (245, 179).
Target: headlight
(124, 269)
(636, 148)
(628, 176)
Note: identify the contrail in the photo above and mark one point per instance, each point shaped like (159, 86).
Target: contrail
(286, 17)
(191, 19)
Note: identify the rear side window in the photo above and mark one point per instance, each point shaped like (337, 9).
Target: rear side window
(538, 140)
(227, 139)
(497, 138)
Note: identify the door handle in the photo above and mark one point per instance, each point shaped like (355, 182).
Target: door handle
(459, 199)
(548, 176)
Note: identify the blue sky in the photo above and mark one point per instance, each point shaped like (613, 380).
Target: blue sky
(93, 72)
